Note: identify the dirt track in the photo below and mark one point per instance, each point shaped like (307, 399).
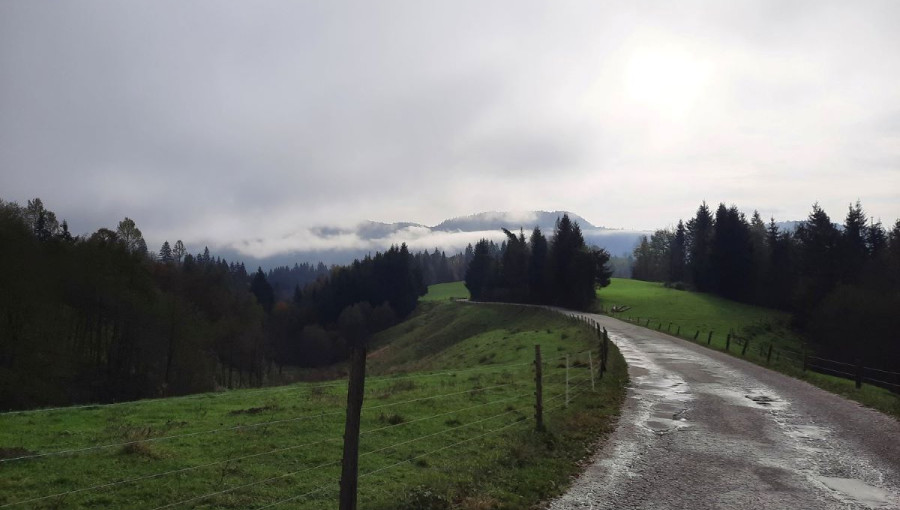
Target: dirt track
(704, 430)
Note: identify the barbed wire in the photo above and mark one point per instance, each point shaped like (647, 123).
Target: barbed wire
(238, 427)
(307, 386)
(254, 455)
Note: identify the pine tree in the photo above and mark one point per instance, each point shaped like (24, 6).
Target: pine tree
(853, 249)
(537, 266)
(677, 264)
(260, 288)
(165, 253)
(479, 274)
(699, 238)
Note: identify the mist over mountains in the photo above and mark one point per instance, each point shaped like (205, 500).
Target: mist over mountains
(341, 245)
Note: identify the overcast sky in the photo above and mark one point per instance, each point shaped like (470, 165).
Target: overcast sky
(219, 122)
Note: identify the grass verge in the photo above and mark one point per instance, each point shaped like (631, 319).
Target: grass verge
(708, 320)
(447, 423)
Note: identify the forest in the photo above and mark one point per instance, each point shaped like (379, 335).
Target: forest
(563, 271)
(841, 282)
(100, 318)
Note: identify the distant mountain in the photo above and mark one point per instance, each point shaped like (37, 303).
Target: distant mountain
(510, 220)
(336, 245)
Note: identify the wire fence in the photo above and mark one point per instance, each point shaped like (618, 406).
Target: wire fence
(292, 457)
(770, 354)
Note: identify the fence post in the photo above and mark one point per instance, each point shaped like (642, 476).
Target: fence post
(605, 352)
(746, 344)
(678, 333)
(727, 342)
(538, 390)
(709, 338)
(769, 355)
(648, 323)
(591, 368)
(859, 373)
(567, 380)
(669, 329)
(696, 335)
(350, 463)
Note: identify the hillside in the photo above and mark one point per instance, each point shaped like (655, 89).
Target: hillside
(451, 427)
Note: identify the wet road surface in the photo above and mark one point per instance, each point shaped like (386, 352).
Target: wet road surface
(704, 430)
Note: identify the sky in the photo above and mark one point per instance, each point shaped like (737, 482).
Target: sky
(248, 124)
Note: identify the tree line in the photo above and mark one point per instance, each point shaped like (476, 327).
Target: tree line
(840, 282)
(563, 271)
(100, 318)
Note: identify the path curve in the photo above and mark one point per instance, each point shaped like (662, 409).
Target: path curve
(704, 430)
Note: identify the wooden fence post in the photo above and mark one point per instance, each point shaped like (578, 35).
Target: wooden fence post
(859, 373)
(350, 463)
(605, 352)
(678, 333)
(709, 338)
(591, 368)
(696, 335)
(746, 344)
(769, 355)
(727, 342)
(538, 390)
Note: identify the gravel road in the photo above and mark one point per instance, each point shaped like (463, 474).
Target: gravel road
(704, 430)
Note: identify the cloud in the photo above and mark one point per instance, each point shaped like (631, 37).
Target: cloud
(247, 125)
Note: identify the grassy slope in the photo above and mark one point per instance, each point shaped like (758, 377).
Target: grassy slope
(477, 357)
(694, 312)
(446, 291)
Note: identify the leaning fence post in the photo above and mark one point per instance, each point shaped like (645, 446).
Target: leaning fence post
(769, 355)
(538, 390)
(678, 333)
(746, 344)
(567, 380)
(350, 462)
(859, 373)
(709, 338)
(591, 368)
(696, 335)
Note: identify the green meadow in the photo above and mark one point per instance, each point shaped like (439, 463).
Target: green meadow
(447, 423)
(693, 314)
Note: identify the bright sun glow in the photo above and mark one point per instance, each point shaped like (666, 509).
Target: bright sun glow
(666, 82)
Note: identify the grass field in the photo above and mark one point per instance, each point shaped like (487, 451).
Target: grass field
(446, 291)
(687, 314)
(447, 423)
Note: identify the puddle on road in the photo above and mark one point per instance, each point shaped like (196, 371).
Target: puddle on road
(748, 397)
(861, 493)
(763, 400)
(660, 394)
